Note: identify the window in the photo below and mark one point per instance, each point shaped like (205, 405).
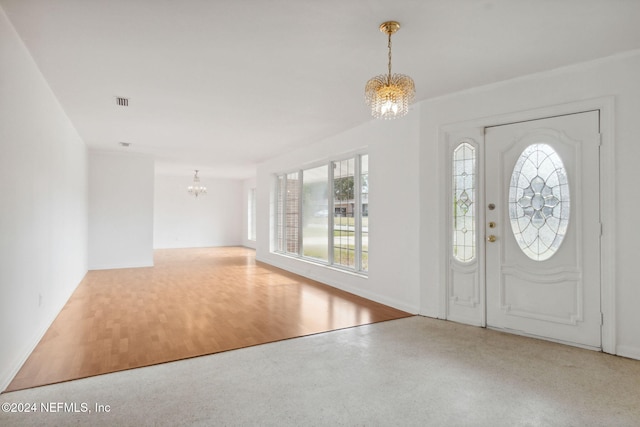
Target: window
(464, 195)
(292, 213)
(287, 207)
(251, 215)
(279, 222)
(344, 221)
(315, 210)
(364, 203)
(539, 201)
(327, 206)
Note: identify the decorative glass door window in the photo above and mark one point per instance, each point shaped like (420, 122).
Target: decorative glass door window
(464, 196)
(539, 202)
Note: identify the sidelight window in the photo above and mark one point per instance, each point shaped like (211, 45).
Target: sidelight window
(464, 202)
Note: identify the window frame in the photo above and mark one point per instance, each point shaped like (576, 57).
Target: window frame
(251, 214)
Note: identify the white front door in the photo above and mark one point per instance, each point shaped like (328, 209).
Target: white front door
(543, 228)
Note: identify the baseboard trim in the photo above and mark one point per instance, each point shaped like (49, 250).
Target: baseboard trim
(304, 272)
(628, 351)
(118, 266)
(23, 355)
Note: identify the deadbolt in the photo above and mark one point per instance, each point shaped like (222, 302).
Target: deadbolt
(491, 238)
(492, 224)
(491, 206)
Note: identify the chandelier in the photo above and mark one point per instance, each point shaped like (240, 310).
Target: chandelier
(389, 95)
(196, 189)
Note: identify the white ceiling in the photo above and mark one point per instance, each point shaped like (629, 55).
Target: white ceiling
(221, 85)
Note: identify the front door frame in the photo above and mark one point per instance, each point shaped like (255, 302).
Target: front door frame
(474, 129)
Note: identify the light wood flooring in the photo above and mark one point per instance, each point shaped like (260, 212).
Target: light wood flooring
(192, 302)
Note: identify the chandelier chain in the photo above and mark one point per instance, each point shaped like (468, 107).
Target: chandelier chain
(389, 78)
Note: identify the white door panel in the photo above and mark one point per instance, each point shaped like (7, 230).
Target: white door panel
(543, 271)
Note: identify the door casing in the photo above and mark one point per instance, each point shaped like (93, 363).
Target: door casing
(473, 130)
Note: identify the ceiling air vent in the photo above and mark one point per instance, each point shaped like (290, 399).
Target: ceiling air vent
(123, 102)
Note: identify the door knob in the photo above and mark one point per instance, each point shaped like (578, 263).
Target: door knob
(491, 238)
(492, 224)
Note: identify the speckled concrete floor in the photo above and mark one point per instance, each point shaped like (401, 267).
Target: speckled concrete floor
(413, 371)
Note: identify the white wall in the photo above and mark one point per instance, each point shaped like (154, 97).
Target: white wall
(247, 185)
(617, 76)
(393, 210)
(43, 207)
(184, 221)
(407, 244)
(120, 210)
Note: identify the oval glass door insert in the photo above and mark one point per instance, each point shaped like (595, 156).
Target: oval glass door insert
(539, 202)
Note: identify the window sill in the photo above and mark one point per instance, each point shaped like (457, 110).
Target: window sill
(360, 274)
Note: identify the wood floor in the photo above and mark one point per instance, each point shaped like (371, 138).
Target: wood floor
(192, 302)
